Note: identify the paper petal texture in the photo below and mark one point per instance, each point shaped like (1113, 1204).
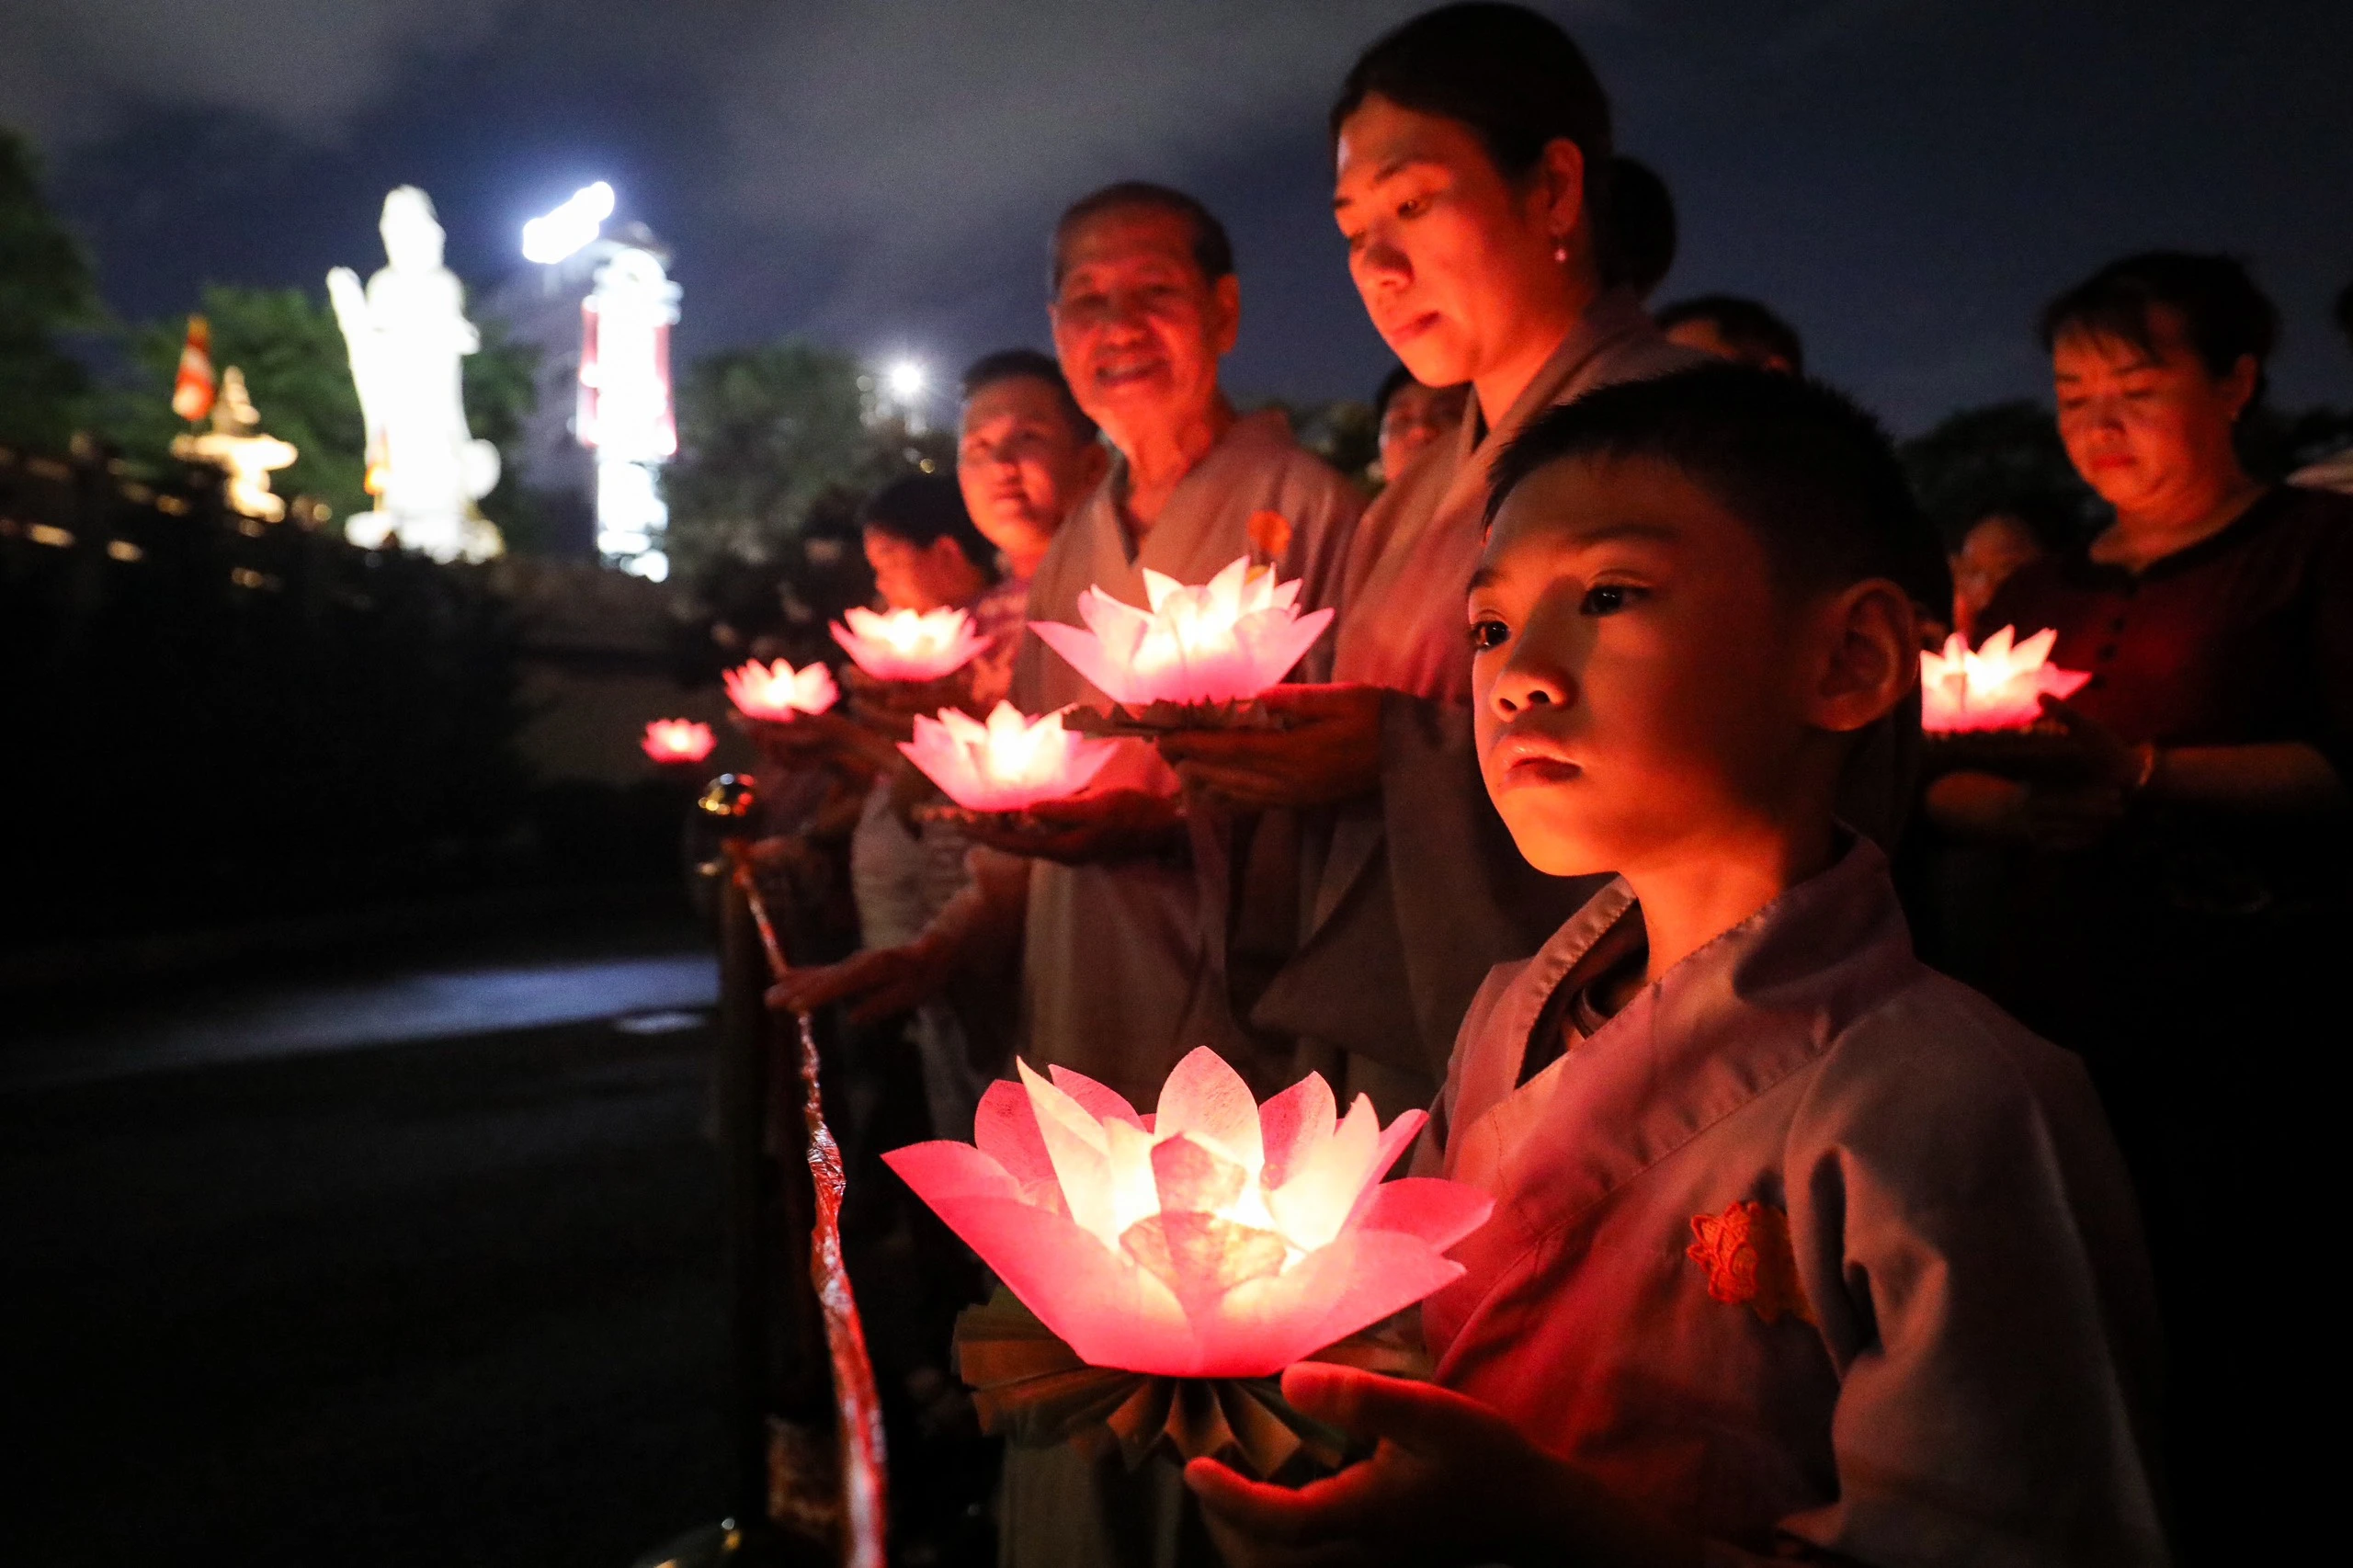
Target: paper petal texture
(778, 691)
(1225, 641)
(908, 644)
(1995, 688)
(1007, 763)
(679, 740)
(1215, 1238)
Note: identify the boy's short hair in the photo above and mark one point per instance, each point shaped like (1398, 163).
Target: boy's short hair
(1806, 469)
(1748, 325)
(922, 509)
(1212, 248)
(1018, 364)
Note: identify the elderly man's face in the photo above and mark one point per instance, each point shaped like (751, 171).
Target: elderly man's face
(1139, 329)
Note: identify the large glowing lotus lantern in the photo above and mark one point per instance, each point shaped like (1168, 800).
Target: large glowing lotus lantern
(1226, 641)
(1008, 764)
(679, 740)
(1995, 688)
(909, 644)
(1215, 1238)
(778, 691)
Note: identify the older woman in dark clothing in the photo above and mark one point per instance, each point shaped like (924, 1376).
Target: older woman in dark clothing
(2177, 901)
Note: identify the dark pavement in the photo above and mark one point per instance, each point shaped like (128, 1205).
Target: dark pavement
(410, 1268)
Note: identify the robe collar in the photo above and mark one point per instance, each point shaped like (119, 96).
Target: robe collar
(1717, 1030)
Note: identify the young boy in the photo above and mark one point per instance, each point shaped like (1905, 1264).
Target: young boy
(1800, 1248)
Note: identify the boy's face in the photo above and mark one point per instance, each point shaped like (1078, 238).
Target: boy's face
(1638, 682)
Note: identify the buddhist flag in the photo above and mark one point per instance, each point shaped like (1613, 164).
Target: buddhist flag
(192, 391)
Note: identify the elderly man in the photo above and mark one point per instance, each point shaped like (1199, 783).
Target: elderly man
(1117, 980)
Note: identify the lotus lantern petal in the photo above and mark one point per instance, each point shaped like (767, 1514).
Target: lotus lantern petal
(778, 691)
(1007, 763)
(909, 644)
(679, 740)
(1215, 1238)
(1995, 688)
(1226, 641)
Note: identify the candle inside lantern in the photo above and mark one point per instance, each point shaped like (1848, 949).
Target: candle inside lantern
(1009, 763)
(1997, 687)
(1225, 641)
(908, 644)
(1216, 1238)
(778, 691)
(679, 740)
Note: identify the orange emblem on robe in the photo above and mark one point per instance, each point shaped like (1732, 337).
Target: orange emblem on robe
(1749, 1261)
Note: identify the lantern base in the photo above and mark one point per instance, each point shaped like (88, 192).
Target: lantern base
(1164, 718)
(2040, 753)
(1031, 1388)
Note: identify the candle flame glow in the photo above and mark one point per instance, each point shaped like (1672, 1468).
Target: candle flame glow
(1008, 764)
(909, 644)
(778, 691)
(1226, 641)
(1215, 1238)
(679, 740)
(1995, 688)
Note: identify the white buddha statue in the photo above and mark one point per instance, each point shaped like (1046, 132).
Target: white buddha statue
(409, 336)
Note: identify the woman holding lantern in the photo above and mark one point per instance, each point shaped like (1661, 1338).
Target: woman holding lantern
(1471, 147)
(2172, 893)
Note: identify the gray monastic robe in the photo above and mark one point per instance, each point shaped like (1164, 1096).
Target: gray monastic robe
(1418, 891)
(1118, 981)
(1808, 1248)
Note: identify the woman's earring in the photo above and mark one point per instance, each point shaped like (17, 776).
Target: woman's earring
(1560, 253)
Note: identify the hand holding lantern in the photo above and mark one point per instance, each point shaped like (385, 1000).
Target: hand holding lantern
(1225, 641)
(909, 645)
(1998, 686)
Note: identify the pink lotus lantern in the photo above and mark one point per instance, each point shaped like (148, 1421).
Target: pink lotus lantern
(909, 645)
(778, 691)
(1214, 1239)
(1995, 688)
(679, 740)
(1226, 641)
(1009, 763)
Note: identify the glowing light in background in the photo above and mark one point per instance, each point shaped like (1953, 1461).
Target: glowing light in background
(778, 691)
(1224, 641)
(905, 380)
(551, 236)
(1216, 1238)
(908, 644)
(1009, 763)
(679, 740)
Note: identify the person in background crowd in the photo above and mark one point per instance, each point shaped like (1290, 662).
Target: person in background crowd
(2177, 908)
(1410, 416)
(1027, 456)
(1642, 226)
(1470, 149)
(2336, 470)
(2016, 534)
(1733, 328)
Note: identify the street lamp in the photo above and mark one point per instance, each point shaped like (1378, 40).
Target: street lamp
(906, 382)
(551, 236)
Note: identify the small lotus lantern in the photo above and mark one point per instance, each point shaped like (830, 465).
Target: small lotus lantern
(776, 692)
(909, 644)
(1223, 642)
(1211, 1244)
(1007, 763)
(1997, 687)
(683, 740)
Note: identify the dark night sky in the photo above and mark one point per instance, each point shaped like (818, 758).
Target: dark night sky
(1906, 181)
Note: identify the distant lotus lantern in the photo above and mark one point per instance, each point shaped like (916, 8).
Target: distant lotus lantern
(778, 691)
(1995, 688)
(1226, 641)
(1216, 1238)
(679, 740)
(1009, 763)
(908, 644)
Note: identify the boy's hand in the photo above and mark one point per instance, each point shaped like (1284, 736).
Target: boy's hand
(1329, 750)
(1450, 1482)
